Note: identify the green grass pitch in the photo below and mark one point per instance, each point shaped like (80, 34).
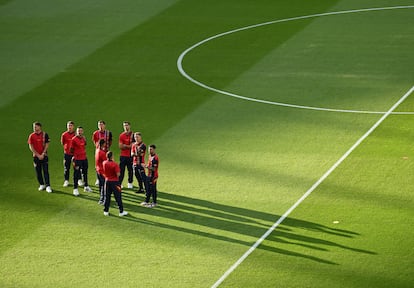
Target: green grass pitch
(228, 168)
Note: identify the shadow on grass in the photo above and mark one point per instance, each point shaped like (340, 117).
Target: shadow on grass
(224, 219)
(247, 222)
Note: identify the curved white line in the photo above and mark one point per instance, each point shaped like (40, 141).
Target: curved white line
(185, 74)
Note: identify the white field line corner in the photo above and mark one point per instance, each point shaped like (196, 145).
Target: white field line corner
(311, 189)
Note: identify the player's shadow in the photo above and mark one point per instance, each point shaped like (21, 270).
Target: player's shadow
(91, 196)
(248, 222)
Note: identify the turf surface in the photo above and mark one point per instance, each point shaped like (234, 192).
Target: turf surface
(229, 168)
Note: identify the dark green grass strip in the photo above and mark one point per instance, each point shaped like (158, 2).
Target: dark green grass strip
(4, 2)
(132, 78)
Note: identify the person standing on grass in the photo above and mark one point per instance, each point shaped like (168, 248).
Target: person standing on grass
(100, 157)
(99, 134)
(138, 154)
(152, 166)
(80, 161)
(102, 133)
(39, 143)
(112, 172)
(125, 159)
(66, 141)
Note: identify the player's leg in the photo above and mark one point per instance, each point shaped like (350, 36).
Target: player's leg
(66, 168)
(130, 173)
(144, 180)
(155, 192)
(150, 188)
(76, 176)
(45, 168)
(38, 169)
(137, 173)
(108, 193)
(118, 197)
(101, 179)
(122, 165)
(84, 170)
(148, 194)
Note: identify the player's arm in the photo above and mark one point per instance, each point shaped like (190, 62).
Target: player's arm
(154, 165)
(45, 148)
(46, 145)
(109, 140)
(95, 139)
(122, 145)
(34, 151)
(72, 149)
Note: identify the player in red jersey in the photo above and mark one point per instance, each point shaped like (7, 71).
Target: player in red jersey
(102, 133)
(66, 141)
(112, 171)
(99, 134)
(153, 163)
(138, 154)
(125, 159)
(39, 143)
(80, 161)
(100, 157)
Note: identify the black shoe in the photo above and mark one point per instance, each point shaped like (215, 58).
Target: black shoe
(140, 191)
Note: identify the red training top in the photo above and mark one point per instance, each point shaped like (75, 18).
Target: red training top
(139, 159)
(153, 161)
(100, 157)
(111, 170)
(66, 140)
(38, 141)
(106, 135)
(78, 146)
(125, 138)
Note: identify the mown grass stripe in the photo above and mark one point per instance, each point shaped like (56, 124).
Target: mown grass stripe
(314, 186)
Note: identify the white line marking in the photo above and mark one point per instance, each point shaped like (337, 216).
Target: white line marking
(314, 186)
(183, 54)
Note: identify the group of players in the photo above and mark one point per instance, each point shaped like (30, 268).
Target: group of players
(109, 173)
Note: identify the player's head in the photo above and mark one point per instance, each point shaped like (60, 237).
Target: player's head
(138, 137)
(70, 125)
(102, 143)
(37, 126)
(79, 131)
(152, 148)
(101, 125)
(109, 155)
(127, 126)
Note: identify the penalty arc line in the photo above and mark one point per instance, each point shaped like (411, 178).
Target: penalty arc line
(205, 86)
(314, 186)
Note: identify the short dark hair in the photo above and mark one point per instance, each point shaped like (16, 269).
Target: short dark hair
(153, 146)
(109, 155)
(101, 121)
(70, 122)
(79, 127)
(101, 142)
(37, 124)
(126, 122)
